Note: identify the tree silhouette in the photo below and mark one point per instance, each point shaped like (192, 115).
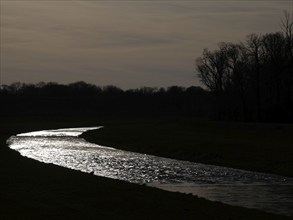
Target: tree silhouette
(252, 80)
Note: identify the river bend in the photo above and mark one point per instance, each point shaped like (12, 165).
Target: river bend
(65, 148)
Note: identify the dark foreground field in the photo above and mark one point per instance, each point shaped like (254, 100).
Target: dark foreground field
(32, 190)
(251, 146)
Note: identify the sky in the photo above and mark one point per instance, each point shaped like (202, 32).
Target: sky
(129, 44)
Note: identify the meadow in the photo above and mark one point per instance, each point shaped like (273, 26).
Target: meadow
(264, 147)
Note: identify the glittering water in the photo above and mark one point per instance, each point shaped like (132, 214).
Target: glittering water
(63, 147)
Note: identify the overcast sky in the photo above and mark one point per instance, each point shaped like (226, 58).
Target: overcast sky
(124, 43)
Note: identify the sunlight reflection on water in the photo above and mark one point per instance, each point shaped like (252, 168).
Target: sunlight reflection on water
(232, 186)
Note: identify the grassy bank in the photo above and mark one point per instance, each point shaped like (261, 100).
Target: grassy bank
(33, 190)
(250, 146)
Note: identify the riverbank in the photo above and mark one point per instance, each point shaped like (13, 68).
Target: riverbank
(33, 190)
(249, 146)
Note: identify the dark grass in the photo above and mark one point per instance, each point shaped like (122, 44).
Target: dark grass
(33, 190)
(250, 146)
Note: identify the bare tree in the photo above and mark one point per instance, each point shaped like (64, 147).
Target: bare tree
(274, 51)
(253, 47)
(212, 71)
(287, 28)
(238, 66)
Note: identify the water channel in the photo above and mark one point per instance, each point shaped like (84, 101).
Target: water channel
(63, 147)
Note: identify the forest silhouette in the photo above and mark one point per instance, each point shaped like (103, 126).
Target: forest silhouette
(83, 99)
(252, 80)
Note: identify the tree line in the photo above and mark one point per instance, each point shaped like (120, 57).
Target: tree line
(252, 80)
(83, 99)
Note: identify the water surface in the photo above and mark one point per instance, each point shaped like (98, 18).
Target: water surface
(63, 147)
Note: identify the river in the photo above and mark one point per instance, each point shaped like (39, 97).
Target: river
(64, 147)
